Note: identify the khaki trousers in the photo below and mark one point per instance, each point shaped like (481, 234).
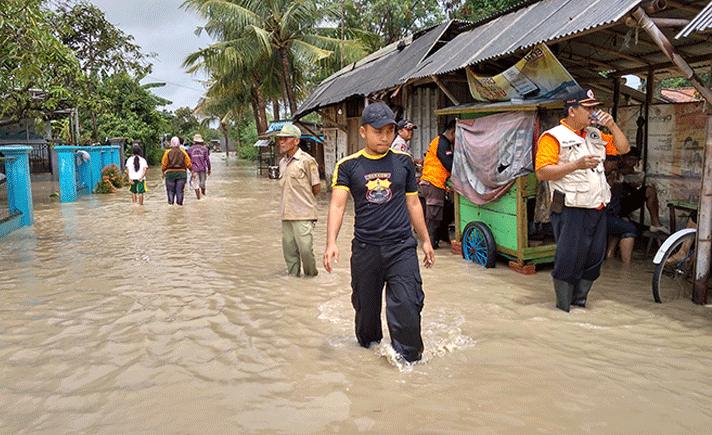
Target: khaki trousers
(297, 241)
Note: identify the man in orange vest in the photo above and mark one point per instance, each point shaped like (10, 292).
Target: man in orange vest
(436, 170)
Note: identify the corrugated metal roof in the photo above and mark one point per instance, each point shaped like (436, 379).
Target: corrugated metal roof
(701, 23)
(381, 70)
(545, 21)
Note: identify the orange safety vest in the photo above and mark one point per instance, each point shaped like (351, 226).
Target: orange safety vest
(433, 170)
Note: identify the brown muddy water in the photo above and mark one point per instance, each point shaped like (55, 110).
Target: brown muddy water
(117, 319)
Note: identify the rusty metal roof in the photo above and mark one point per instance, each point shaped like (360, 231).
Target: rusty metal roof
(592, 39)
(379, 71)
(700, 24)
(542, 22)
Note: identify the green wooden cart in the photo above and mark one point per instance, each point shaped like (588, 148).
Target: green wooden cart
(501, 227)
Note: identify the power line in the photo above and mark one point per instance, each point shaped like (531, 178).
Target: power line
(176, 84)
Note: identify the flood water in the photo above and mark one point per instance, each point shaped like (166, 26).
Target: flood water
(118, 319)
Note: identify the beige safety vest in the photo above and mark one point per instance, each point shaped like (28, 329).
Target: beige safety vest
(584, 188)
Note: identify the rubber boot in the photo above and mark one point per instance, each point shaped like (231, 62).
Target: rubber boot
(564, 292)
(580, 293)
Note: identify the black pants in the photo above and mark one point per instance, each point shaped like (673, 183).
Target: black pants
(396, 265)
(580, 243)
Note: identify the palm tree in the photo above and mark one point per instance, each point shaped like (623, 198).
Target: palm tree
(291, 32)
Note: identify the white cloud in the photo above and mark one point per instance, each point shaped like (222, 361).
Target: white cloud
(164, 28)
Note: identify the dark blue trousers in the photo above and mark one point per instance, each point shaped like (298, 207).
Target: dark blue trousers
(395, 265)
(580, 243)
(175, 188)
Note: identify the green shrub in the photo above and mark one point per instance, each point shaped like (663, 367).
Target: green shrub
(111, 179)
(248, 152)
(154, 156)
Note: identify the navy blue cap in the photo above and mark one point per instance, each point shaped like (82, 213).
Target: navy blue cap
(377, 115)
(582, 97)
(404, 123)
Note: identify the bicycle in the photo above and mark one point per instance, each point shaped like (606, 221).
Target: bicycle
(674, 273)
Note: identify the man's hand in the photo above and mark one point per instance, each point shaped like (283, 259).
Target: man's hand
(429, 259)
(332, 252)
(588, 162)
(605, 119)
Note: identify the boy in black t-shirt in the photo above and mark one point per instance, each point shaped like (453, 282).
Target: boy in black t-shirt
(383, 185)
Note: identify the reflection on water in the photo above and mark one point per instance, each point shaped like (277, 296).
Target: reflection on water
(157, 319)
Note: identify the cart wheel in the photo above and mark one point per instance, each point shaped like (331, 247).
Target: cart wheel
(478, 244)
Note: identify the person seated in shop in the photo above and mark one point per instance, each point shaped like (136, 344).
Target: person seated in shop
(629, 193)
(628, 185)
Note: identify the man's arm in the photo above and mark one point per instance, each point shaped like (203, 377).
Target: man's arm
(333, 225)
(547, 160)
(558, 171)
(619, 139)
(316, 189)
(442, 153)
(415, 210)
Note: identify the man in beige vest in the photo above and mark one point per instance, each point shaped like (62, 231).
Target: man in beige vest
(299, 178)
(571, 156)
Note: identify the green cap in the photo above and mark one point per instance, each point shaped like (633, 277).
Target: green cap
(290, 130)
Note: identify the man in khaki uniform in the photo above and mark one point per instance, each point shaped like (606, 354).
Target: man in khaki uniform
(299, 178)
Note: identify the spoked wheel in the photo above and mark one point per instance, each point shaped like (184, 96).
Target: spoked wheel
(674, 275)
(478, 244)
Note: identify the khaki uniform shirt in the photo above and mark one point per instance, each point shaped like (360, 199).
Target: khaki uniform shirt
(297, 176)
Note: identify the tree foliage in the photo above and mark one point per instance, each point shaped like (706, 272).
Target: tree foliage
(391, 21)
(101, 48)
(266, 47)
(37, 72)
(130, 111)
(474, 10)
(182, 123)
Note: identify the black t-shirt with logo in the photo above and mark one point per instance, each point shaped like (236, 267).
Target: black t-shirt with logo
(379, 185)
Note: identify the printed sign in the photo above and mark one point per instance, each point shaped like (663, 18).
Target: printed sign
(539, 75)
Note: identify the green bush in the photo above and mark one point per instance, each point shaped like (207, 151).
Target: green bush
(154, 156)
(111, 179)
(248, 152)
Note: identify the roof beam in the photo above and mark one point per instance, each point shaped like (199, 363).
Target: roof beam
(341, 127)
(662, 65)
(445, 90)
(611, 51)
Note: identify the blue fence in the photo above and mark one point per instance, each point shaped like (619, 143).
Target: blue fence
(80, 168)
(17, 208)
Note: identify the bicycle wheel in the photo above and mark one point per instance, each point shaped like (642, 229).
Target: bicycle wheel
(674, 275)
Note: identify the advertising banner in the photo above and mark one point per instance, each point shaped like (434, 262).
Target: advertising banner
(539, 75)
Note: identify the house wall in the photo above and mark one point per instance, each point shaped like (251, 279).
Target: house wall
(335, 138)
(420, 106)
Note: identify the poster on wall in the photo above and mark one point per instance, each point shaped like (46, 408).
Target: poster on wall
(676, 138)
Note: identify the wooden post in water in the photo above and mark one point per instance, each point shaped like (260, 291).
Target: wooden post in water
(704, 224)
(704, 216)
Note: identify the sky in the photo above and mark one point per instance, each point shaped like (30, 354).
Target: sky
(164, 28)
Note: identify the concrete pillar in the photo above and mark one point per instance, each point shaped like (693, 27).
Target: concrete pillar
(105, 156)
(66, 162)
(96, 167)
(19, 188)
(116, 155)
